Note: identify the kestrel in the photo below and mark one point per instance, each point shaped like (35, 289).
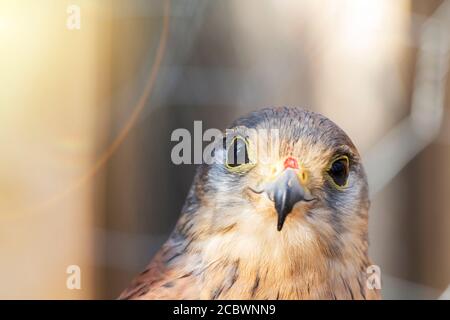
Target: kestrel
(282, 213)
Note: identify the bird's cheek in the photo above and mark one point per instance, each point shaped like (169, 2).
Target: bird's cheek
(260, 202)
(302, 209)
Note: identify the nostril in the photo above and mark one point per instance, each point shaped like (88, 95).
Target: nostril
(303, 176)
(290, 162)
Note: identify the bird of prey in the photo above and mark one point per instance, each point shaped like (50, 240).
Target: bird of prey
(294, 226)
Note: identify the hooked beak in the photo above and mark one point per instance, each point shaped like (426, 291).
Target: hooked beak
(285, 192)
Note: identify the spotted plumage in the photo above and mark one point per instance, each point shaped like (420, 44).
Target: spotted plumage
(293, 226)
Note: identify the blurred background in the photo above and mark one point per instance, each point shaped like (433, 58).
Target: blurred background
(92, 90)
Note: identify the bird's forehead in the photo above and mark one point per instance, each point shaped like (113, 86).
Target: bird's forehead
(290, 131)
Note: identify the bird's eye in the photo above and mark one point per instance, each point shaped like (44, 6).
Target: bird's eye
(339, 171)
(237, 153)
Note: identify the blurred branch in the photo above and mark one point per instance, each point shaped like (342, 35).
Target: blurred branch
(399, 146)
(446, 294)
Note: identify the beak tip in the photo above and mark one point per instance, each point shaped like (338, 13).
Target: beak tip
(281, 219)
(285, 192)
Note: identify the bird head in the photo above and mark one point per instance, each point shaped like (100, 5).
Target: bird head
(280, 211)
(286, 171)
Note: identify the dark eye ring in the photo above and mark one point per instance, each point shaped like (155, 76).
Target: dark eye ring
(339, 171)
(237, 153)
